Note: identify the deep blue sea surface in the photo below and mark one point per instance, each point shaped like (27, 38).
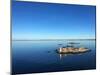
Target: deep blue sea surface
(40, 56)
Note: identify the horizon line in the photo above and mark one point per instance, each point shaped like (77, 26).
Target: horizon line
(46, 39)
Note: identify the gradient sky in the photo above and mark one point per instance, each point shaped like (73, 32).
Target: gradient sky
(33, 20)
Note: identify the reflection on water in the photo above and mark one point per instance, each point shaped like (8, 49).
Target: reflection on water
(61, 56)
(40, 56)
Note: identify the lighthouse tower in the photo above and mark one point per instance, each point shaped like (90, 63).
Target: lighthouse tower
(60, 50)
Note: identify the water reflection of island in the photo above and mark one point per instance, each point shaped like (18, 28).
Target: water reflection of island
(64, 55)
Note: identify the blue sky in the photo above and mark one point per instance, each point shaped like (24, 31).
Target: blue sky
(33, 20)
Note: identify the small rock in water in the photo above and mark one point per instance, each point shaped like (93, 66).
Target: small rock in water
(48, 51)
(59, 44)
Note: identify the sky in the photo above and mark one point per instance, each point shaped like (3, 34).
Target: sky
(34, 20)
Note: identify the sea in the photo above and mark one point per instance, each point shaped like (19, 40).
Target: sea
(38, 56)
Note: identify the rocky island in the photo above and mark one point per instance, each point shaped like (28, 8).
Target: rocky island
(71, 49)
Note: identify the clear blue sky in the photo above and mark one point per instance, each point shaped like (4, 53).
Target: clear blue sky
(33, 20)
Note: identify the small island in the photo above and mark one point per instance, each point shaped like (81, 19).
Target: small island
(71, 50)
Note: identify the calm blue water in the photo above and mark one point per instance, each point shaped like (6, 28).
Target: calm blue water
(40, 56)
